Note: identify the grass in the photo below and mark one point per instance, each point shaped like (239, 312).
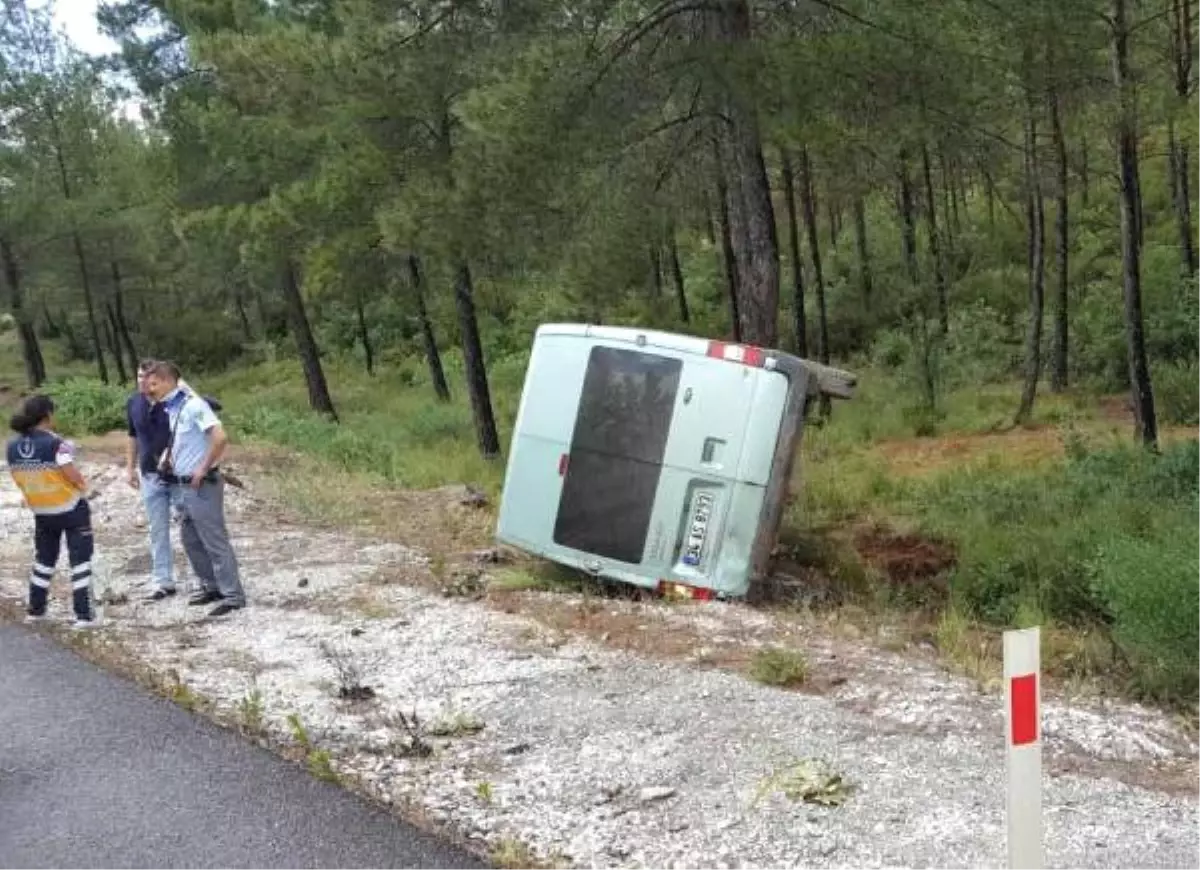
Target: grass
(1062, 522)
(775, 666)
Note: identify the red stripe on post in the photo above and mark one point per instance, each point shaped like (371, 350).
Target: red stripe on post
(1024, 710)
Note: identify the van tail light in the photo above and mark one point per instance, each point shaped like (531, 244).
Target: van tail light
(562, 464)
(747, 355)
(671, 589)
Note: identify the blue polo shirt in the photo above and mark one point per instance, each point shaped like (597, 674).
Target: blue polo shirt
(149, 425)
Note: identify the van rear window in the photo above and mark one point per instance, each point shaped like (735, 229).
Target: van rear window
(616, 455)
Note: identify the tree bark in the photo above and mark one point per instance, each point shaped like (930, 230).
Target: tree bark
(1131, 272)
(799, 316)
(1085, 175)
(306, 345)
(364, 334)
(31, 350)
(908, 223)
(656, 276)
(864, 252)
(1182, 52)
(114, 344)
(89, 306)
(433, 358)
(1036, 234)
(1060, 358)
(476, 368)
(122, 324)
(750, 193)
(935, 251)
(808, 201)
(727, 251)
(677, 275)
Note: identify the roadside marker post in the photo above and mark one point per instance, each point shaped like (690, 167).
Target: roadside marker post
(1023, 739)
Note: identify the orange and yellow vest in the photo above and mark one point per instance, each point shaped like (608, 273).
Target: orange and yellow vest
(35, 462)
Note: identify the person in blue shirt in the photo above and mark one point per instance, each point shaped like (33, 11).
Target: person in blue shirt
(149, 433)
(42, 464)
(190, 465)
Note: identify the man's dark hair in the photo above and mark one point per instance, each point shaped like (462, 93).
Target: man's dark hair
(164, 369)
(35, 410)
(145, 366)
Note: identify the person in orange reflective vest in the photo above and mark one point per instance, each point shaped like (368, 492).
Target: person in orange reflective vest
(42, 464)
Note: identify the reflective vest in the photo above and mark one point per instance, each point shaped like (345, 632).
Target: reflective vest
(35, 462)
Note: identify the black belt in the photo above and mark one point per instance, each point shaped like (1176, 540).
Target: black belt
(213, 476)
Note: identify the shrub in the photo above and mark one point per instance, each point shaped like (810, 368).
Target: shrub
(87, 407)
(775, 666)
(1177, 392)
(1150, 587)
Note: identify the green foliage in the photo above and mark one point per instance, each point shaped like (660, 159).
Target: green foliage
(84, 406)
(1149, 585)
(1061, 542)
(1177, 392)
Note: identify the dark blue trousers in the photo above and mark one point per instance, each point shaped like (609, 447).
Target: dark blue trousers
(48, 533)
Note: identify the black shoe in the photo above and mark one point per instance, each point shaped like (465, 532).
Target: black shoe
(223, 608)
(159, 594)
(205, 597)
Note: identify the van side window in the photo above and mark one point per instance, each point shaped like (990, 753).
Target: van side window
(616, 456)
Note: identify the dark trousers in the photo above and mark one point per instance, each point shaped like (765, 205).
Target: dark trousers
(48, 532)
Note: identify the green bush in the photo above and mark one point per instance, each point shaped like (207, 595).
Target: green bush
(1150, 587)
(1177, 392)
(1107, 539)
(87, 407)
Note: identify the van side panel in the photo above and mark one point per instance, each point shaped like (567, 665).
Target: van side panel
(533, 482)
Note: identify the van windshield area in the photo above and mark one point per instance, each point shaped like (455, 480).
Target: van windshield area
(616, 455)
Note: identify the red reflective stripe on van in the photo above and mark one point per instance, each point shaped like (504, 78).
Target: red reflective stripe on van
(746, 355)
(562, 465)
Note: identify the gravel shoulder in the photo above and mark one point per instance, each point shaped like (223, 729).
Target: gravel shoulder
(593, 757)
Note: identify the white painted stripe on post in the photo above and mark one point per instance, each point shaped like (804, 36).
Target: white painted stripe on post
(1023, 743)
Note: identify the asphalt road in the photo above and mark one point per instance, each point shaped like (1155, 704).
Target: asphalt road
(95, 772)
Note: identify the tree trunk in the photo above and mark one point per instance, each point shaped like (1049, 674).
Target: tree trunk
(239, 303)
(727, 251)
(1182, 53)
(433, 358)
(1131, 271)
(750, 193)
(1059, 360)
(1036, 234)
(864, 254)
(122, 324)
(708, 220)
(1084, 175)
(31, 350)
(114, 344)
(808, 201)
(656, 276)
(799, 316)
(949, 209)
(835, 224)
(908, 223)
(364, 334)
(935, 251)
(90, 307)
(476, 368)
(310, 356)
(677, 275)
(989, 187)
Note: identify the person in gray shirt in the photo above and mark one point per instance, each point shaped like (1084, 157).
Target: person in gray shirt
(191, 465)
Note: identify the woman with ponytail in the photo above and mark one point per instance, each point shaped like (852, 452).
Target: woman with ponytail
(42, 464)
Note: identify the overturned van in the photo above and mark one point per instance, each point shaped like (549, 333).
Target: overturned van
(656, 459)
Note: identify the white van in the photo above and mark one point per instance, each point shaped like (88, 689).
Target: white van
(656, 459)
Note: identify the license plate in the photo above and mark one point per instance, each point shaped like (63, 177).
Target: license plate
(698, 529)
